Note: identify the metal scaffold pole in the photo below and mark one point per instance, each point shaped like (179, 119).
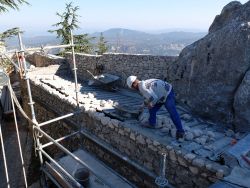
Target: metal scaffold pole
(4, 157)
(74, 67)
(161, 180)
(18, 138)
(36, 126)
(31, 103)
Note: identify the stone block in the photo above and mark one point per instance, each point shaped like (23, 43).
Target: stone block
(121, 132)
(189, 136)
(132, 136)
(220, 173)
(149, 141)
(189, 157)
(182, 161)
(155, 143)
(198, 162)
(152, 147)
(197, 133)
(169, 148)
(140, 140)
(172, 155)
(115, 122)
(194, 170)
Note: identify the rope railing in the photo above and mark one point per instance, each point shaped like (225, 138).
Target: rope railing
(18, 138)
(18, 104)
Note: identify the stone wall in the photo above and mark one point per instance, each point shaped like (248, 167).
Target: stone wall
(123, 65)
(44, 60)
(183, 169)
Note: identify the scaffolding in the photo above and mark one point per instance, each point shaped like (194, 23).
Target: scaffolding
(21, 67)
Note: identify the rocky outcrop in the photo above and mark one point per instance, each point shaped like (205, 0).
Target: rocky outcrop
(208, 74)
(228, 15)
(242, 104)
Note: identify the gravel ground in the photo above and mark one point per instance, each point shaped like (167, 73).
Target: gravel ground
(12, 153)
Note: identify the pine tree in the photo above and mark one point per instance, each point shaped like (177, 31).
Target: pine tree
(11, 4)
(82, 43)
(9, 33)
(5, 63)
(101, 45)
(68, 22)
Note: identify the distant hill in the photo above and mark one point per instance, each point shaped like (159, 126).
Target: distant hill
(32, 41)
(131, 41)
(127, 41)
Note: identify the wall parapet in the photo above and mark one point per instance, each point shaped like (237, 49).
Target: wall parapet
(43, 60)
(123, 65)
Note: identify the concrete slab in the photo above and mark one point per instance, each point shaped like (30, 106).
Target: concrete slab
(221, 184)
(220, 144)
(219, 147)
(239, 149)
(100, 170)
(239, 176)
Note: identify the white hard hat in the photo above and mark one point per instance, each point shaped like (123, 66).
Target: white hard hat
(130, 80)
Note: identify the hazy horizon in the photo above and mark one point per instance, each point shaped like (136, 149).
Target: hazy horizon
(31, 34)
(157, 16)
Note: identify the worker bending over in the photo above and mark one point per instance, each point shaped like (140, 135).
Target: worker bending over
(157, 93)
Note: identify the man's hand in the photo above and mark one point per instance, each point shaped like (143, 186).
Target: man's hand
(150, 105)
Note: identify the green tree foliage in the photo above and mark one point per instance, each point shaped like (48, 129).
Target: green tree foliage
(83, 44)
(11, 4)
(68, 22)
(101, 45)
(5, 63)
(9, 33)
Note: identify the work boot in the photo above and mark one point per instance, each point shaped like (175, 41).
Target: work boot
(180, 136)
(147, 125)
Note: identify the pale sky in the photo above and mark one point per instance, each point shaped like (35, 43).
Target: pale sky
(100, 15)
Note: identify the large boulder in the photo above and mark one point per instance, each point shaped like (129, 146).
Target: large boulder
(209, 72)
(242, 104)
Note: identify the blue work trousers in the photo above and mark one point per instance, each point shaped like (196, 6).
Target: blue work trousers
(171, 108)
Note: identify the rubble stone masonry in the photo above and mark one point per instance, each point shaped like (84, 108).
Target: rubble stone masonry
(183, 169)
(123, 65)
